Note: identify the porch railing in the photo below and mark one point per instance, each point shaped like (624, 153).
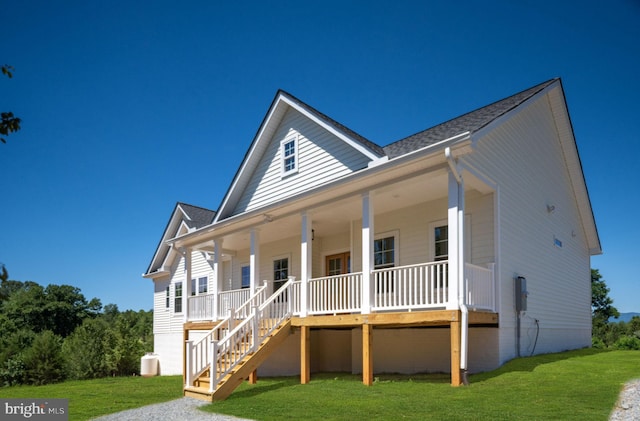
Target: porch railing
(201, 306)
(335, 294)
(480, 287)
(411, 287)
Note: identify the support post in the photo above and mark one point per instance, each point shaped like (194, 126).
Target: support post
(217, 273)
(189, 363)
(453, 243)
(253, 377)
(306, 259)
(186, 290)
(456, 376)
(305, 354)
(367, 253)
(254, 261)
(367, 354)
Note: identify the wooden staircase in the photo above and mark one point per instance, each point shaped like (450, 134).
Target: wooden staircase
(201, 385)
(235, 348)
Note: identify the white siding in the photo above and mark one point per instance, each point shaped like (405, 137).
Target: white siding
(525, 158)
(322, 157)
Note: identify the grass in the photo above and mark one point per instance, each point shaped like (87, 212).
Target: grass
(575, 385)
(93, 398)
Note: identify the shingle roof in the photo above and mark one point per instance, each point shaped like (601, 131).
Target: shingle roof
(199, 217)
(470, 122)
(353, 135)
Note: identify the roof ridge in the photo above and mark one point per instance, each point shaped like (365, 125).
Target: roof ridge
(471, 121)
(352, 133)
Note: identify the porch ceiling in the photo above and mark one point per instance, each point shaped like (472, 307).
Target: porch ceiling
(335, 216)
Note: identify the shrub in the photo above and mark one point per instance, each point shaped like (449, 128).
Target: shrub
(627, 342)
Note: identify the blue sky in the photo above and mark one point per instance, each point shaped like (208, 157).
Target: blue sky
(129, 107)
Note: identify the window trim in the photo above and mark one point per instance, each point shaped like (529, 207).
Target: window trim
(283, 158)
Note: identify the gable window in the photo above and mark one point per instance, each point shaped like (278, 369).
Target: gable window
(280, 272)
(177, 297)
(246, 277)
(289, 153)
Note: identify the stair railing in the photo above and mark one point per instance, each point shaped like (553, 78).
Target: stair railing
(198, 353)
(246, 337)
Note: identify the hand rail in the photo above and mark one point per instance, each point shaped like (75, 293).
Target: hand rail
(246, 337)
(198, 353)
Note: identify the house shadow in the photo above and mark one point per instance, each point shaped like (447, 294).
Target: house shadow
(531, 363)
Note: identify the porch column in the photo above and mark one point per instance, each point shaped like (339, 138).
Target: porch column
(218, 274)
(454, 246)
(367, 253)
(254, 261)
(186, 290)
(305, 263)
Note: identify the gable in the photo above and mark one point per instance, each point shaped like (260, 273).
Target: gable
(325, 151)
(184, 218)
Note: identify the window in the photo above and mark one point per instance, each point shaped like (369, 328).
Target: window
(177, 298)
(280, 272)
(202, 285)
(289, 151)
(384, 252)
(167, 300)
(199, 286)
(441, 242)
(246, 276)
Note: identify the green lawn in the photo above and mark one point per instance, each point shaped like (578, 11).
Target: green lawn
(576, 385)
(92, 398)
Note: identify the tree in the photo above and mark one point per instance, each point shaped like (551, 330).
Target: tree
(602, 308)
(43, 362)
(8, 122)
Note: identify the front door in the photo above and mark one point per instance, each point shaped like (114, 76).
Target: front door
(338, 264)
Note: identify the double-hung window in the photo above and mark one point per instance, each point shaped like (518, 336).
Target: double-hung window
(177, 297)
(384, 256)
(246, 277)
(202, 285)
(199, 286)
(289, 153)
(441, 242)
(280, 272)
(384, 252)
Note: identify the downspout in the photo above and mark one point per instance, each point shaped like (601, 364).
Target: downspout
(464, 310)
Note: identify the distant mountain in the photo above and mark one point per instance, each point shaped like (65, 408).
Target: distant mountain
(624, 317)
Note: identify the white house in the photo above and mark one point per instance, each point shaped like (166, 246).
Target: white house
(451, 250)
